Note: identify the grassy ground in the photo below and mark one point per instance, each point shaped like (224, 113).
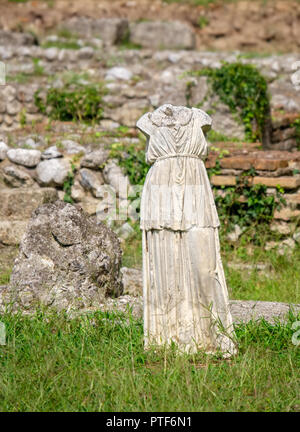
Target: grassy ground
(97, 363)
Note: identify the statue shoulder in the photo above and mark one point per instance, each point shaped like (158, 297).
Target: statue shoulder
(205, 121)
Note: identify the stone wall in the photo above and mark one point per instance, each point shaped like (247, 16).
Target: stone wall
(32, 176)
(138, 80)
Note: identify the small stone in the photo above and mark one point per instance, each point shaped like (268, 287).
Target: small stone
(94, 159)
(86, 53)
(72, 147)
(286, 246)
(270, 245)
(280, 227)
(51, 53)
(114, 176)
(3, 150)
(16, 177)
(91, 180)
(132, 281)
(8, 120)
(78, 192)
(25, 157)
(118, 73)
(13, 107)
(235, 234)
(9, 93)
(53, 172)
(296, 236)
(51, 153)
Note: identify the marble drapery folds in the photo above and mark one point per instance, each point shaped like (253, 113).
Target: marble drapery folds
(185, 293)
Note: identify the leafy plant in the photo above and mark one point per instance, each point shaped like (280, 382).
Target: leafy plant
(247, 204)
(72, 103)
(244, 90)
(296, 125)
(67, 187)
(132, 159)
(38, 70)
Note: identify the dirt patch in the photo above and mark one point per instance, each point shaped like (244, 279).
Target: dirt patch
(259, 26)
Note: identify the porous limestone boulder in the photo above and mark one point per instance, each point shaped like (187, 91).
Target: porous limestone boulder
(66, 260)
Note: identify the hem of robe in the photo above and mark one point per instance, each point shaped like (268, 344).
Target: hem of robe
(184, 303)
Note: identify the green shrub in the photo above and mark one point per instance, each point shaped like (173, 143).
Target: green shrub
(244, 90)
(132, 159)
(72, 103)
(247, 205)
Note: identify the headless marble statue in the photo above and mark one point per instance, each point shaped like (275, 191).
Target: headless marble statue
(185, 293)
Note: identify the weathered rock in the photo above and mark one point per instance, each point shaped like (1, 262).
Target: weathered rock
(90, 205)
(16, 208)
(25, 157)
(118, 73)
(162, 34)
(51, 53)
(72, 147)
(53, 172)
(114, 176)
(281, 227)
(110, 30)
(12, 108)
(19, 203)
(91, 180)
(77, 192)
(86, 53)
(94, 159)
(132, 281)
(3, 150)
(16, 39)
(246, 310)
(12, 231)
(128, 112)
(66, 261)
(16, 176)
(51, 153)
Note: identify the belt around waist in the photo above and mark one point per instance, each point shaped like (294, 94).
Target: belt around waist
(186, 155)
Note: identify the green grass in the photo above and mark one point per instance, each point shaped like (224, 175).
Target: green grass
(72, 45)
(97, 363)
(280, 281)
